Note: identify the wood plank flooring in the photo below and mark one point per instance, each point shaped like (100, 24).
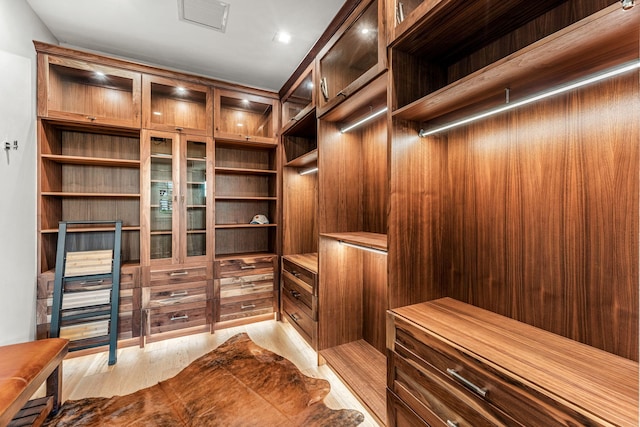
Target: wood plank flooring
(90, 375)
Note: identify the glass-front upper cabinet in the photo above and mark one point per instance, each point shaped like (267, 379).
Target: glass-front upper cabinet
(299, 100)
(87, 92)
(353, 57)
(180, 197)
(245, 117)
(173, 105)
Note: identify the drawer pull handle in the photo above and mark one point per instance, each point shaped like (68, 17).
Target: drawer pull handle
(294, 317)
(247, 285)
(247, 307)
(91, 118)
(295, 273)
(179, 273)
(180, 294)
(294, 294)
(247, 267)
(452, 423)
(468, 384)
(92, 282)
(183, 317)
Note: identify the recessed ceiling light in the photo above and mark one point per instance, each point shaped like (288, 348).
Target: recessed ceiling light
(282, 37)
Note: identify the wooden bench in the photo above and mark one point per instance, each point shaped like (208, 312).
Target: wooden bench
(23, 369)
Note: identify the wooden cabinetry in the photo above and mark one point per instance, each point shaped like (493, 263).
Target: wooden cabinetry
(178, 197)
(299, 294)
(246, 185)
(245, 117)
(455, 364)
(245, 288)
(484, 226)
(85, 92)
(353, 57)
(175, 105)
(300, 99)
(129, 305)
(177, 300)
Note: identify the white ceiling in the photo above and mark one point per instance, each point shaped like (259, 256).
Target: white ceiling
(150, 31)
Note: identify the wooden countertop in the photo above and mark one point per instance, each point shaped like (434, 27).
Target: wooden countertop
(582, 377)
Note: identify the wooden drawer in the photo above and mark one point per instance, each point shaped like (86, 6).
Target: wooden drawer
(236, 308)
(177, 316)
(245, 285)
(177, 274)
(178, 293)
(468, 376)
(295, 272)
(129, 279)
(301, 297)
(302, 322)
(400, 415)
(244, 266)
(437, 400)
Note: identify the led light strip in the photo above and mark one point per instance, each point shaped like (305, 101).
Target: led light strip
(308, 171)
(366, 119)
(365, 248)
(561, 89)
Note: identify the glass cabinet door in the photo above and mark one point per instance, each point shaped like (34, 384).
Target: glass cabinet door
(163, 197)
(196, 197)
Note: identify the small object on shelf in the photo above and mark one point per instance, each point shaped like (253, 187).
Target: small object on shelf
(260, 219)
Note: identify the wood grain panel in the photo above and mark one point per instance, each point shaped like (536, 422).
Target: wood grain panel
(340, 305)
(374, 299)
(300, 207)
(418, 241)
(544, 211)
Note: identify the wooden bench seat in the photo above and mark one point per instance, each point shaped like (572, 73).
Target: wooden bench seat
(24, 368)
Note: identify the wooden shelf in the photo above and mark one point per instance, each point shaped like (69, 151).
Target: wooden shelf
(364, 371)
(244, 171)
(307, 159)
(365, 239)
(535, 67)
(230, 226)
(96, 195)
(91, 161)
(90, 229)
(246, 198)
(243, 255)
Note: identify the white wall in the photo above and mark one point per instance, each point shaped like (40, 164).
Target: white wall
(18, 27)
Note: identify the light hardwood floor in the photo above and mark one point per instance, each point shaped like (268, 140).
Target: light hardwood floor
(136, 368)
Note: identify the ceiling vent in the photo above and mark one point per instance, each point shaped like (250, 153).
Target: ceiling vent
(208, 13)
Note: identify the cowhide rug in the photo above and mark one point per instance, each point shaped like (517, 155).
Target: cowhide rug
(237, 384)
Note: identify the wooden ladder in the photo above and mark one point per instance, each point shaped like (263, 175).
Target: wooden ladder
(88, 275)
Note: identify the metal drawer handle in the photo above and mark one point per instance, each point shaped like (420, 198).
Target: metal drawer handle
(179, 273)
(248, 285)
(295, 273)
(183, 317)
(247, 307)
(92, 282)
(91, 118)
(180, 294)
(294, 294)
(452, 423)
(294, 317)
(468, 384)
(247, 267)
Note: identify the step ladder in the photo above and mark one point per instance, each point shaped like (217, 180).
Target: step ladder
(87, 285)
